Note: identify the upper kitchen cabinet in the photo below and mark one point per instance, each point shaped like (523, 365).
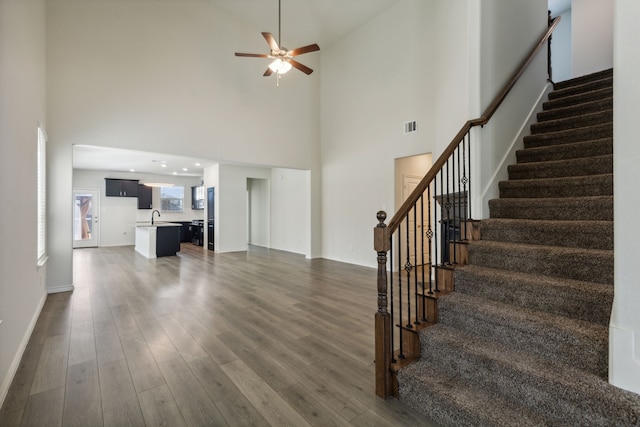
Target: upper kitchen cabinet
(145, 197)
(121, 187)
(197, 197)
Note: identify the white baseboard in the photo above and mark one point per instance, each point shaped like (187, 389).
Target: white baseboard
(63, 288)
(624, 363)
(4, 389)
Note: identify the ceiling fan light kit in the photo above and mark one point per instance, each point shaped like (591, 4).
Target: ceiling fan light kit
(282, 58)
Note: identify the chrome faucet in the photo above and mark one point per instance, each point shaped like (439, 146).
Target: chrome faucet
(156, 210)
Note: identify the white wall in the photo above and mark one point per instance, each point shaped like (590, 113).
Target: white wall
(22, 106)
(373, 81)
(624, 329)
(118, 215)
(162, 77)
(290, 210)
(509, 30)
(592, 35)
(561, 49)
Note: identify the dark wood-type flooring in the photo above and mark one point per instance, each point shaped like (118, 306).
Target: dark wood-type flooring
(261, 338)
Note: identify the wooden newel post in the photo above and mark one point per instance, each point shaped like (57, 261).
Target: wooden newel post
(383, 343)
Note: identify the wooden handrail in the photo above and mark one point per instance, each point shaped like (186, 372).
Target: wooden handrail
(408, 204)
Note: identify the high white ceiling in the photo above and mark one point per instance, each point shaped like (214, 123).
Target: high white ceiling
(303, 22)
(306, 21)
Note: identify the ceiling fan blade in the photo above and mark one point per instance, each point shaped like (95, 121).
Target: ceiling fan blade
(306, 49)
(268, 72)
(300, 67)
(253, 55)
(271, 41)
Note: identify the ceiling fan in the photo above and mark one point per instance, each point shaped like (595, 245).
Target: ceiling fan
(282, 57)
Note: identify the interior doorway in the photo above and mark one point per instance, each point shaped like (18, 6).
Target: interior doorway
(86, 208)
(258, 212)
(409, 171)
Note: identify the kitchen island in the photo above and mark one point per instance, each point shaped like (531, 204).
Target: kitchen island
(159, 239)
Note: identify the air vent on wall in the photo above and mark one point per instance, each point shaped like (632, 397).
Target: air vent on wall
(410, 127)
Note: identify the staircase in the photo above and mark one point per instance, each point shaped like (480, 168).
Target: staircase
(523, 340)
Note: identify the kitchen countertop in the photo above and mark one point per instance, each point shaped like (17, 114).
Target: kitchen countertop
(158, 224)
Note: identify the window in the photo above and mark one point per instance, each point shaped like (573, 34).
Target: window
(41, 190)
(171, 199)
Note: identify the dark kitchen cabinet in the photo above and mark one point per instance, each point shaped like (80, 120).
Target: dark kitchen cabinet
(145, 197)
(121, 187)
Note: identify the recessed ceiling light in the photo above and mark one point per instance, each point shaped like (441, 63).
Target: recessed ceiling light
(132, 170)
(197, 164)
(164, 165)
(175, 173)
(185, 169)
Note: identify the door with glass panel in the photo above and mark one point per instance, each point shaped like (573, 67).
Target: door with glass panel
(86, 207)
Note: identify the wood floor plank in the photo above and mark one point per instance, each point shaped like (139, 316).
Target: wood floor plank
(44, 409)
(52, 365)
(194, 403)
(159, 408)
(266, 400)
(142, 364)
(120, 407)
(82, 406)
(315, 411)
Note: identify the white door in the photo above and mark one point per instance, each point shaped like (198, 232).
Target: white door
(86, 207)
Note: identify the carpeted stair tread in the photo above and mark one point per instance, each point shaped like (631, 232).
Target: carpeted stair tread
(575, 89)
(603, 74)
(577, 343)
(598, 208)
(574, 186)
(598, 117)
(563, 297)
(455, 403)
(597, 165)
(570, 233)
(595, 265)
(580, 98)
(574, 150)
(587, 133)
(556, 393)
(576, 110)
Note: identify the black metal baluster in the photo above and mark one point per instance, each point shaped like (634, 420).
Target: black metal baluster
(455, 195)
(469, 178)
(464, 181)
(424, 318)
(448, 223)
(393, 360)
(400, 353)
(415, 264)
(430, 237)
(408, 268)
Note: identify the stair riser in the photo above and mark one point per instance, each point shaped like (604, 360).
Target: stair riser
(575, 265)
(573, 122)
(584, 79)
(581, 89)
(430, 399)
(566, 151)
(577, 99)
(597, 185)
(576, 110)
(589, 304)
(552, 344)
(565, 137)
(593, 236)
(578, 167)
(598, 209)
(556, 407)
